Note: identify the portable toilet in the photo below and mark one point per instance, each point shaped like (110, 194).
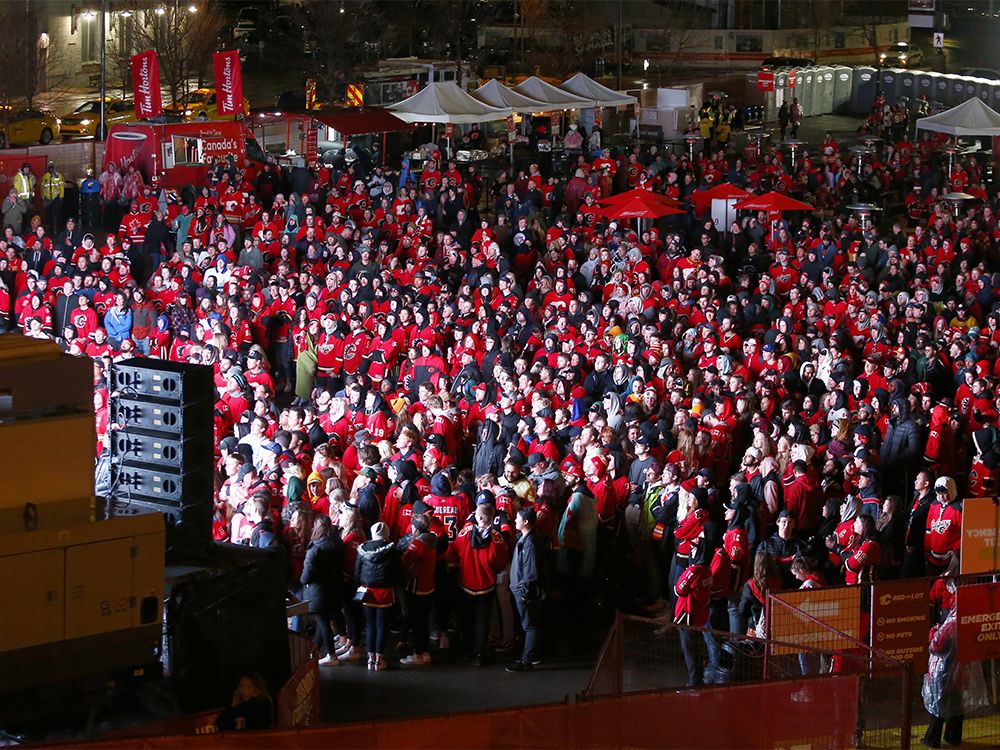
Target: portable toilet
(958, 90)
(942, 89)
(843, 80)
(994, 101)
(908, 86)
(863, 89)
(889, 81)
(804, 91)
(926, 84)
(823, 90)
(984, 89)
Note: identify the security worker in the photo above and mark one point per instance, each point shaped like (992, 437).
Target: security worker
(53, 191)
(24, 184)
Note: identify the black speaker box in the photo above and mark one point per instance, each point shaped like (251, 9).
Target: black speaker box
(188, 527)
(170, 486)
(154, 447)
(171, 382)
(189, 420)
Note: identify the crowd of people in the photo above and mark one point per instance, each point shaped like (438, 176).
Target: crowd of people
(467, 400)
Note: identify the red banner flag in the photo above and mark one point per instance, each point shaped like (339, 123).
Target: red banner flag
(228, 82)
(146, 85)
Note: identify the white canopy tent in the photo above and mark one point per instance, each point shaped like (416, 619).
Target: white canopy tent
(585, 87)
(445, 102)
(495, 94)
(552, 96)
(971, 117)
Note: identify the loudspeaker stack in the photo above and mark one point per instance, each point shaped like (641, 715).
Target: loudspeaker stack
(161, 445)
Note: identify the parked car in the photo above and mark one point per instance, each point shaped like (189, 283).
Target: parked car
(988, 73)
(83, 121)
(200, 105)
(771, 63)
(246, 22)
(25, 126)
(901, 55)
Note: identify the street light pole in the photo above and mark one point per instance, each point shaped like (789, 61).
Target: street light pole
(104, 65)
(621, 43)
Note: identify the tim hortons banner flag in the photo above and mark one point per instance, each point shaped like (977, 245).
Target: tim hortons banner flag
(146, 85)
(228, 82)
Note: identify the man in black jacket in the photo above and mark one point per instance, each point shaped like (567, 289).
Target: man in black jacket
(527, 583)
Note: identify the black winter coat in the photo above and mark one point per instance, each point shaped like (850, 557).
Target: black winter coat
(323, 573)
(378, 564)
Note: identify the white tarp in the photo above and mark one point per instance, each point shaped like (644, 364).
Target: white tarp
(496, 94)
(971, 117)
(585, 87)
(552, 96)
(445, 102)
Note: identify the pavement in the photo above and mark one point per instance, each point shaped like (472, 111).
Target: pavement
(570, 645)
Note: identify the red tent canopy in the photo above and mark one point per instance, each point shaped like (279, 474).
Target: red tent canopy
(361, 121)
(702, 199)
(640, 207)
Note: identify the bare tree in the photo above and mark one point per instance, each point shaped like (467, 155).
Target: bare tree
(25, 57)
(184, 36)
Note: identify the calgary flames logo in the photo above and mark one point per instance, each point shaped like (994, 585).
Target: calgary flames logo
(940, 526)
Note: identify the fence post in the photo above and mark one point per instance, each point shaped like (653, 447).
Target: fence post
(906, 729)
(767, 622)
(619, 654)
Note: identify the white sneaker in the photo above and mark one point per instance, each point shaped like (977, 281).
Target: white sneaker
(344, 647)
(329, 661)
(415, 660)
(351, 654)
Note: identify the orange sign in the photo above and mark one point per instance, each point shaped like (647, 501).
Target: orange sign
(901, 618)
(827, 618)
(978, 615)
(980, 516)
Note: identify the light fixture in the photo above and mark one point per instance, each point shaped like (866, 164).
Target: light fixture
(645, 65)
(192, 8)
(88, 15)
(342, 9)
(160, 10)
(125, 13)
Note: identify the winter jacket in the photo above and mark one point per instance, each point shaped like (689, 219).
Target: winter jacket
(480, 554)
(900, 447)
(378, 564)
(118, 324)
(419, 553)
(322, 573)
(527, 574)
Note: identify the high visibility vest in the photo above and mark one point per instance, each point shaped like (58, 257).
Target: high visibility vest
(24, 185)
(53, 186)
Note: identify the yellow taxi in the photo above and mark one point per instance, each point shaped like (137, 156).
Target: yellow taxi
(83, 121)
(201, 105)
(23, 126)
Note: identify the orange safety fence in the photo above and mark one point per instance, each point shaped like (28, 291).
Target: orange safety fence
(816, 713)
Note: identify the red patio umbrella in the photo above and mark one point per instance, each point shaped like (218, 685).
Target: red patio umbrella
(639, 194)
(702, 199)
(640, 207)
(772, 203)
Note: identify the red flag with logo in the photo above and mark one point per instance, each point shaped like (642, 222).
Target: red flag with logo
(765, 80)
(228, 82)
(146, 85)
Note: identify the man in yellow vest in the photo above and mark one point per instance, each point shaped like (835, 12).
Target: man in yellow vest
(24, 184)
(53, 190)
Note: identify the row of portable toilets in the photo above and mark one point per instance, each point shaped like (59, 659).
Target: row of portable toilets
(839, 89)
